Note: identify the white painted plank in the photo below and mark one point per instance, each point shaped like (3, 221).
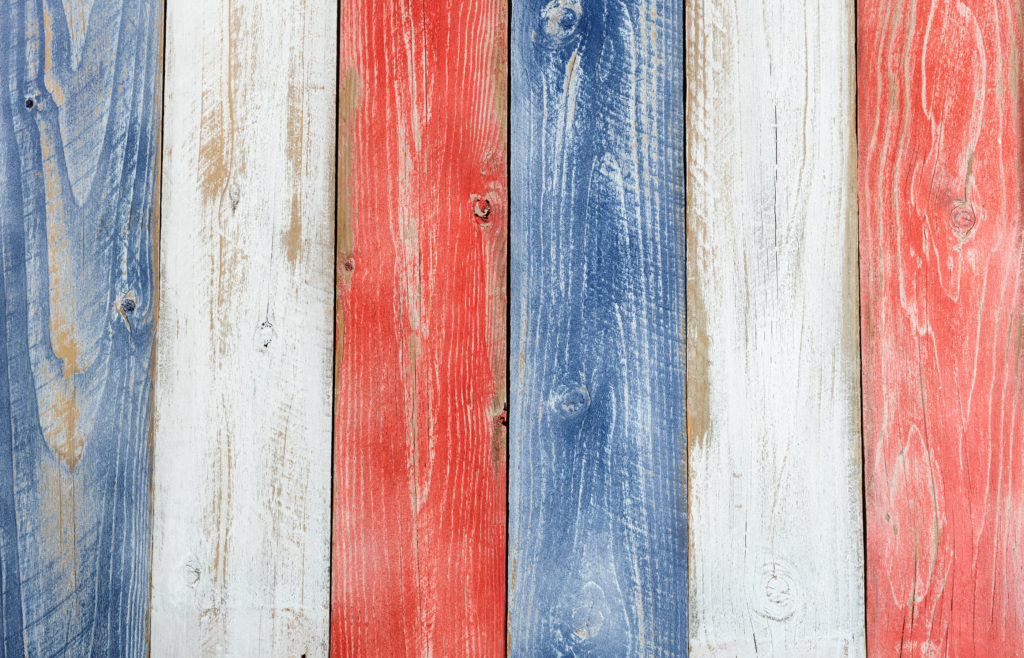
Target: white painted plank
(242, 456)
(773, 365)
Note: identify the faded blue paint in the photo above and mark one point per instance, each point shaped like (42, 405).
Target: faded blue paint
(78, 147)
(597, 511)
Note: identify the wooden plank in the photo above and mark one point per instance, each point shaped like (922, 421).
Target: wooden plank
(243, 400)
(419, 498)
(597, 516)
(942, 168)
(772, 389)
(78, 171)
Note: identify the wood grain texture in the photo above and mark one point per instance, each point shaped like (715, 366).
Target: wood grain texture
(420, 475)
(942, 175)
(79, 112)
(243, 400)
(597, 514)
(772, 332)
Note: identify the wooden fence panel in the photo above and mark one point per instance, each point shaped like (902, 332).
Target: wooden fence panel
(942, 254)
(597, 554)
(773, 367)
(79, 110)
(243, 400)
(419, 497)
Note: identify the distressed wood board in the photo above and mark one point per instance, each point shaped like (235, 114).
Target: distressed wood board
(79, 112)
(941, 162)
(597, 511)
(772, 331)
(420, 466)
(243, 397)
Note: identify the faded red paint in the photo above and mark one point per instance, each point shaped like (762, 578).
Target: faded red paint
(419, 498)
(941, 157)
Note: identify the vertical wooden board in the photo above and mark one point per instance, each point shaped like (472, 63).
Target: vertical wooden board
(419, 497)
(79, 110)
(243, 400)
(773, 367)
(941, 157)
(597, 513)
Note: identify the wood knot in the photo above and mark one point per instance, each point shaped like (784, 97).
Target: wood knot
(349, 264)
(561, 18)
(264, 336)
(590, 611)
(571, 401)
(126, 306)
(481, 210)
(192, 573)
(502, 418)
(776, 594)
(962, 218)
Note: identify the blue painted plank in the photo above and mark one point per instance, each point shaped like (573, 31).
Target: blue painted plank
(597, 511)
(78, 162)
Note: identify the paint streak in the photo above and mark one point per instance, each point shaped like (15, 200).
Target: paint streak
(941, 175)
(597, 511)
(78, 144)
(419, 506)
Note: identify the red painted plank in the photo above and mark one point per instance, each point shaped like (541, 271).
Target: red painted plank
(941, 157)
(419, 500)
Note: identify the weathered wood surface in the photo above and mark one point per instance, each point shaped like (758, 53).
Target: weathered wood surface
(78, 146)
(243, 399)
(597, 514)
(941, 162)
(772, 330)
(420, 475)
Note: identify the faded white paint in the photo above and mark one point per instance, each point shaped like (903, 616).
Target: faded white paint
(242, 454)
(773, 369)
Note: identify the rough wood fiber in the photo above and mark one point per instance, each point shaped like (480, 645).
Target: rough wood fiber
(773, 390)
(419, 497)
(78, 142)
(942, 170)
(597, 560)
(243, 399)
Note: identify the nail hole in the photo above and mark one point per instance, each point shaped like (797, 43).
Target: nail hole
(29, 103)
